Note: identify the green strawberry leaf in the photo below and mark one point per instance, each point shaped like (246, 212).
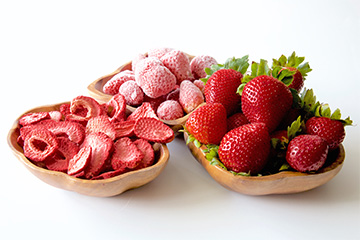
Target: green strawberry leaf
(323, 110)
(210, 71)
(297, 102)
(295, 128)
(293, 61)
(284, 75)
(309, 103)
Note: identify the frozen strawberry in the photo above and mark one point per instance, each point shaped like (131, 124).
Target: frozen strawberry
(179, 64)
(148, 152)
(55, 115)
(199, 63)
(60, 160)
(153, 130)
(126, 154)
(40, 144)
(155, 102)
(145, 110)
(190, 96)
(101, 124)
(112, 86)
(174, 94)
(200, 84)
(124, 128)
(154, 78)
(82, 108)
(159, 52)
(170, 110)
(79, 161)
(132, 92)
(137, 59)
(116, 108)
(236, 120)
(101, 147)
(31, 118)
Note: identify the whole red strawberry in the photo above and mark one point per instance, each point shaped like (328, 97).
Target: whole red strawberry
(246, 148)
(208, 123)
(266, 99)
(307, 153)
(331, 130)
(221, 88)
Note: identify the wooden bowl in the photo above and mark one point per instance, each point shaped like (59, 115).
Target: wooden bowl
(98, 188)
(95, 90)
(284, 182)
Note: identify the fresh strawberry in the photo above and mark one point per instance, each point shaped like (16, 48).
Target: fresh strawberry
(236, 120)
(153, 130)
(101, 124)
(145, 110)
(40, 144)
(126, 154)
(116, 108)
(170, 110)
(207, 123)
(332, 131)
(31, 118)
(112, 86)
(154, 78)
(266, 99)
(101, 146)
(132, 92)
(190, 96)
(60, 160)
(199, 63)
(246, 148)
(295, 65)
(306, 153)
(79, 161)
(148, 152)
(179, 64)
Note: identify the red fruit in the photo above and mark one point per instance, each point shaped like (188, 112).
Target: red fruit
(137, 59)
(112, 86)
(145, 110)
(40, 144)
(298, 81)
(101, 146)
(82, 108)
(246, 148)
(65, 109)
(200, 84)
(60, 160)
(116, 108)
(221, 88)
(332, 131)
(306, 153)
(190, 96)
(55, 115)
(110, 174)
(159, 52)
(79, 161)
(199, 63)
(179, 64)
(236, 120)
(31, 118)
(101, 124)
(153, 130)
(266, 99)
(148, 152)
(208, 123)
(124, 129)
(170, 110)
(126, 154)
(132, 92)
(174, 94)
(155, 102)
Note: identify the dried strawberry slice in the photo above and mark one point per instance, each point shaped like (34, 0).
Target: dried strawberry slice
(40, 144)
(110, 174)
(117, 108)
(79, 161)
(145, 110)
(60, 160)
(65, 109)
(153, 130)
(149, 155)
(101, 146)
(124, 129)
(126, 154)
(82, 108)
(31, 118)
(55, 115)
(101, 124)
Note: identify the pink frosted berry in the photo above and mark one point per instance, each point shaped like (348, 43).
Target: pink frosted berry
(112, 86)
(137, 59)
(179, 64)
(200, 84)
(199, 63)
(159, 52)
(154, 78)
(190, 96)
(170, 110)
(133, 94)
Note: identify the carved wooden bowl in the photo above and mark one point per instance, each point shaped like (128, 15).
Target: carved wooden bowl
(98, 188)
(284, 182)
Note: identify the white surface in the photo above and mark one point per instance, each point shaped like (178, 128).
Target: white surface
(50, 51)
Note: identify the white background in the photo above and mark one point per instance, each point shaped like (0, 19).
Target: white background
(50, 51)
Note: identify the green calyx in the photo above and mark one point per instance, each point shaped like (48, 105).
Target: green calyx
(237, 64)
(323, 110)
(293, 61)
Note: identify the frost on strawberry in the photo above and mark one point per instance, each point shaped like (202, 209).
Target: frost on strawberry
(170, 110)
(179, 64)
(199, 63)
(190, 96)
(133, 94)
(112, 86)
